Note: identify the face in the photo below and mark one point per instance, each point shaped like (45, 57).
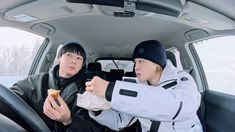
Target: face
(146, 70)
(70, 64)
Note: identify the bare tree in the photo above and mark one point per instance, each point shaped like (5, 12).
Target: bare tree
(15, 61)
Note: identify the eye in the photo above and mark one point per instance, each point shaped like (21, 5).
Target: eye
(68, 54)
(79, 58)
(138, 61)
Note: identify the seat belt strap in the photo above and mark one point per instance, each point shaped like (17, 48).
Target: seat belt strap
(155, 126)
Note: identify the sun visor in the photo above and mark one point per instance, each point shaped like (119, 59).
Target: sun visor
(165, 7)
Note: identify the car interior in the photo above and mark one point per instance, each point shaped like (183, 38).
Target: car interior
(109, 30)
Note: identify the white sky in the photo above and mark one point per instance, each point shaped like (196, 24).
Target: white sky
(10, 37)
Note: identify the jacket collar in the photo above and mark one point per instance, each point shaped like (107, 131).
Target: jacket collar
(169, 73)
(78, 79)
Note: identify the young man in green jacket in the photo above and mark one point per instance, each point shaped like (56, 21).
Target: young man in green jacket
(68, 77)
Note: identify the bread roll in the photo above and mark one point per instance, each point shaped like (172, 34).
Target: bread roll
(54, 93)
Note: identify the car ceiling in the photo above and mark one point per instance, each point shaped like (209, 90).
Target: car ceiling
(225, 7)
(111, 36)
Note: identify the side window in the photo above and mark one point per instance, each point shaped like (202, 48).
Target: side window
(17, 51)
(217, 56)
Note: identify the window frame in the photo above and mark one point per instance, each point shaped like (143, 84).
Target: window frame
(200, 72)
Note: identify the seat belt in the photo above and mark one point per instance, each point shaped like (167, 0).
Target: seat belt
(51, 82)
(155, 126)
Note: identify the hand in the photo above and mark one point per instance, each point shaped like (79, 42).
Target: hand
(97, 86)
(57, 112)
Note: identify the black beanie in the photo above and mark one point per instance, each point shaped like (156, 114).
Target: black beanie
(151, 50)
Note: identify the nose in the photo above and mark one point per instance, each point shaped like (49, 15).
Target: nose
(74, 60)
(136, 66)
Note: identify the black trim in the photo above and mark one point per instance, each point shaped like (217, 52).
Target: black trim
(109, 91)
(167, 81)
(178, 111)
(166, 7)
(169, 85)
(128, 93)
(120, 117)
(132, 80)
(173, 125)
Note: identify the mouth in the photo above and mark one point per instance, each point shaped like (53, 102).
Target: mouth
(138, 74)
(71, 67)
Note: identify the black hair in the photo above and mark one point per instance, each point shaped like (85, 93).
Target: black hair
(73, 48)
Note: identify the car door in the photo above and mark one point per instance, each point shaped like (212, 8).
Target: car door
(216, 67)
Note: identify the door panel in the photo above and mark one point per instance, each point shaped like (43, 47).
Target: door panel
(219, 112)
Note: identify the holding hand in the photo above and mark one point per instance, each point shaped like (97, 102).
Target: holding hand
(55, 111)
(97, 86)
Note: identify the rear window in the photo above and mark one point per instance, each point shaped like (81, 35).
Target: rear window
(126, 65)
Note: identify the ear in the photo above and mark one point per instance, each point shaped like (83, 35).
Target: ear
(158, 68)
(57, 60)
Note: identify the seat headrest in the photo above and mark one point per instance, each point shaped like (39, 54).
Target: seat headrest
(117, 71)
(171, 56)
(130, 74)
(94, 66)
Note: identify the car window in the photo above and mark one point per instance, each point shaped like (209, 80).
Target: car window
(126, 65)
(217, 57)
(17, 51)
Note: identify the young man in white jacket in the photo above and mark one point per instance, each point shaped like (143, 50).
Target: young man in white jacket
(164, 100)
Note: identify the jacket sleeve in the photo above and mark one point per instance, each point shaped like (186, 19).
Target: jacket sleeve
(32, 86)
(157, 103)
(113, 119)
(22, 88)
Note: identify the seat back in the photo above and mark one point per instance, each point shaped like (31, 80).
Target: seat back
(130, 74)
(115, 74)
(94, 69)
(94, 66)
(173, 55)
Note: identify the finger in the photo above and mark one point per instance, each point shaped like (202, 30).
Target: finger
(90, 88)
(62, 112)
(51, 112)
(47, 105)
(63, 105)
(53, 102)
(48, 110)
(61, 101)
(95, 80)
(50, 115)
(57, 115)
(88, 83)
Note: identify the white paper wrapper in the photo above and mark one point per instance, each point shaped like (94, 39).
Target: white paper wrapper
(92, 102)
